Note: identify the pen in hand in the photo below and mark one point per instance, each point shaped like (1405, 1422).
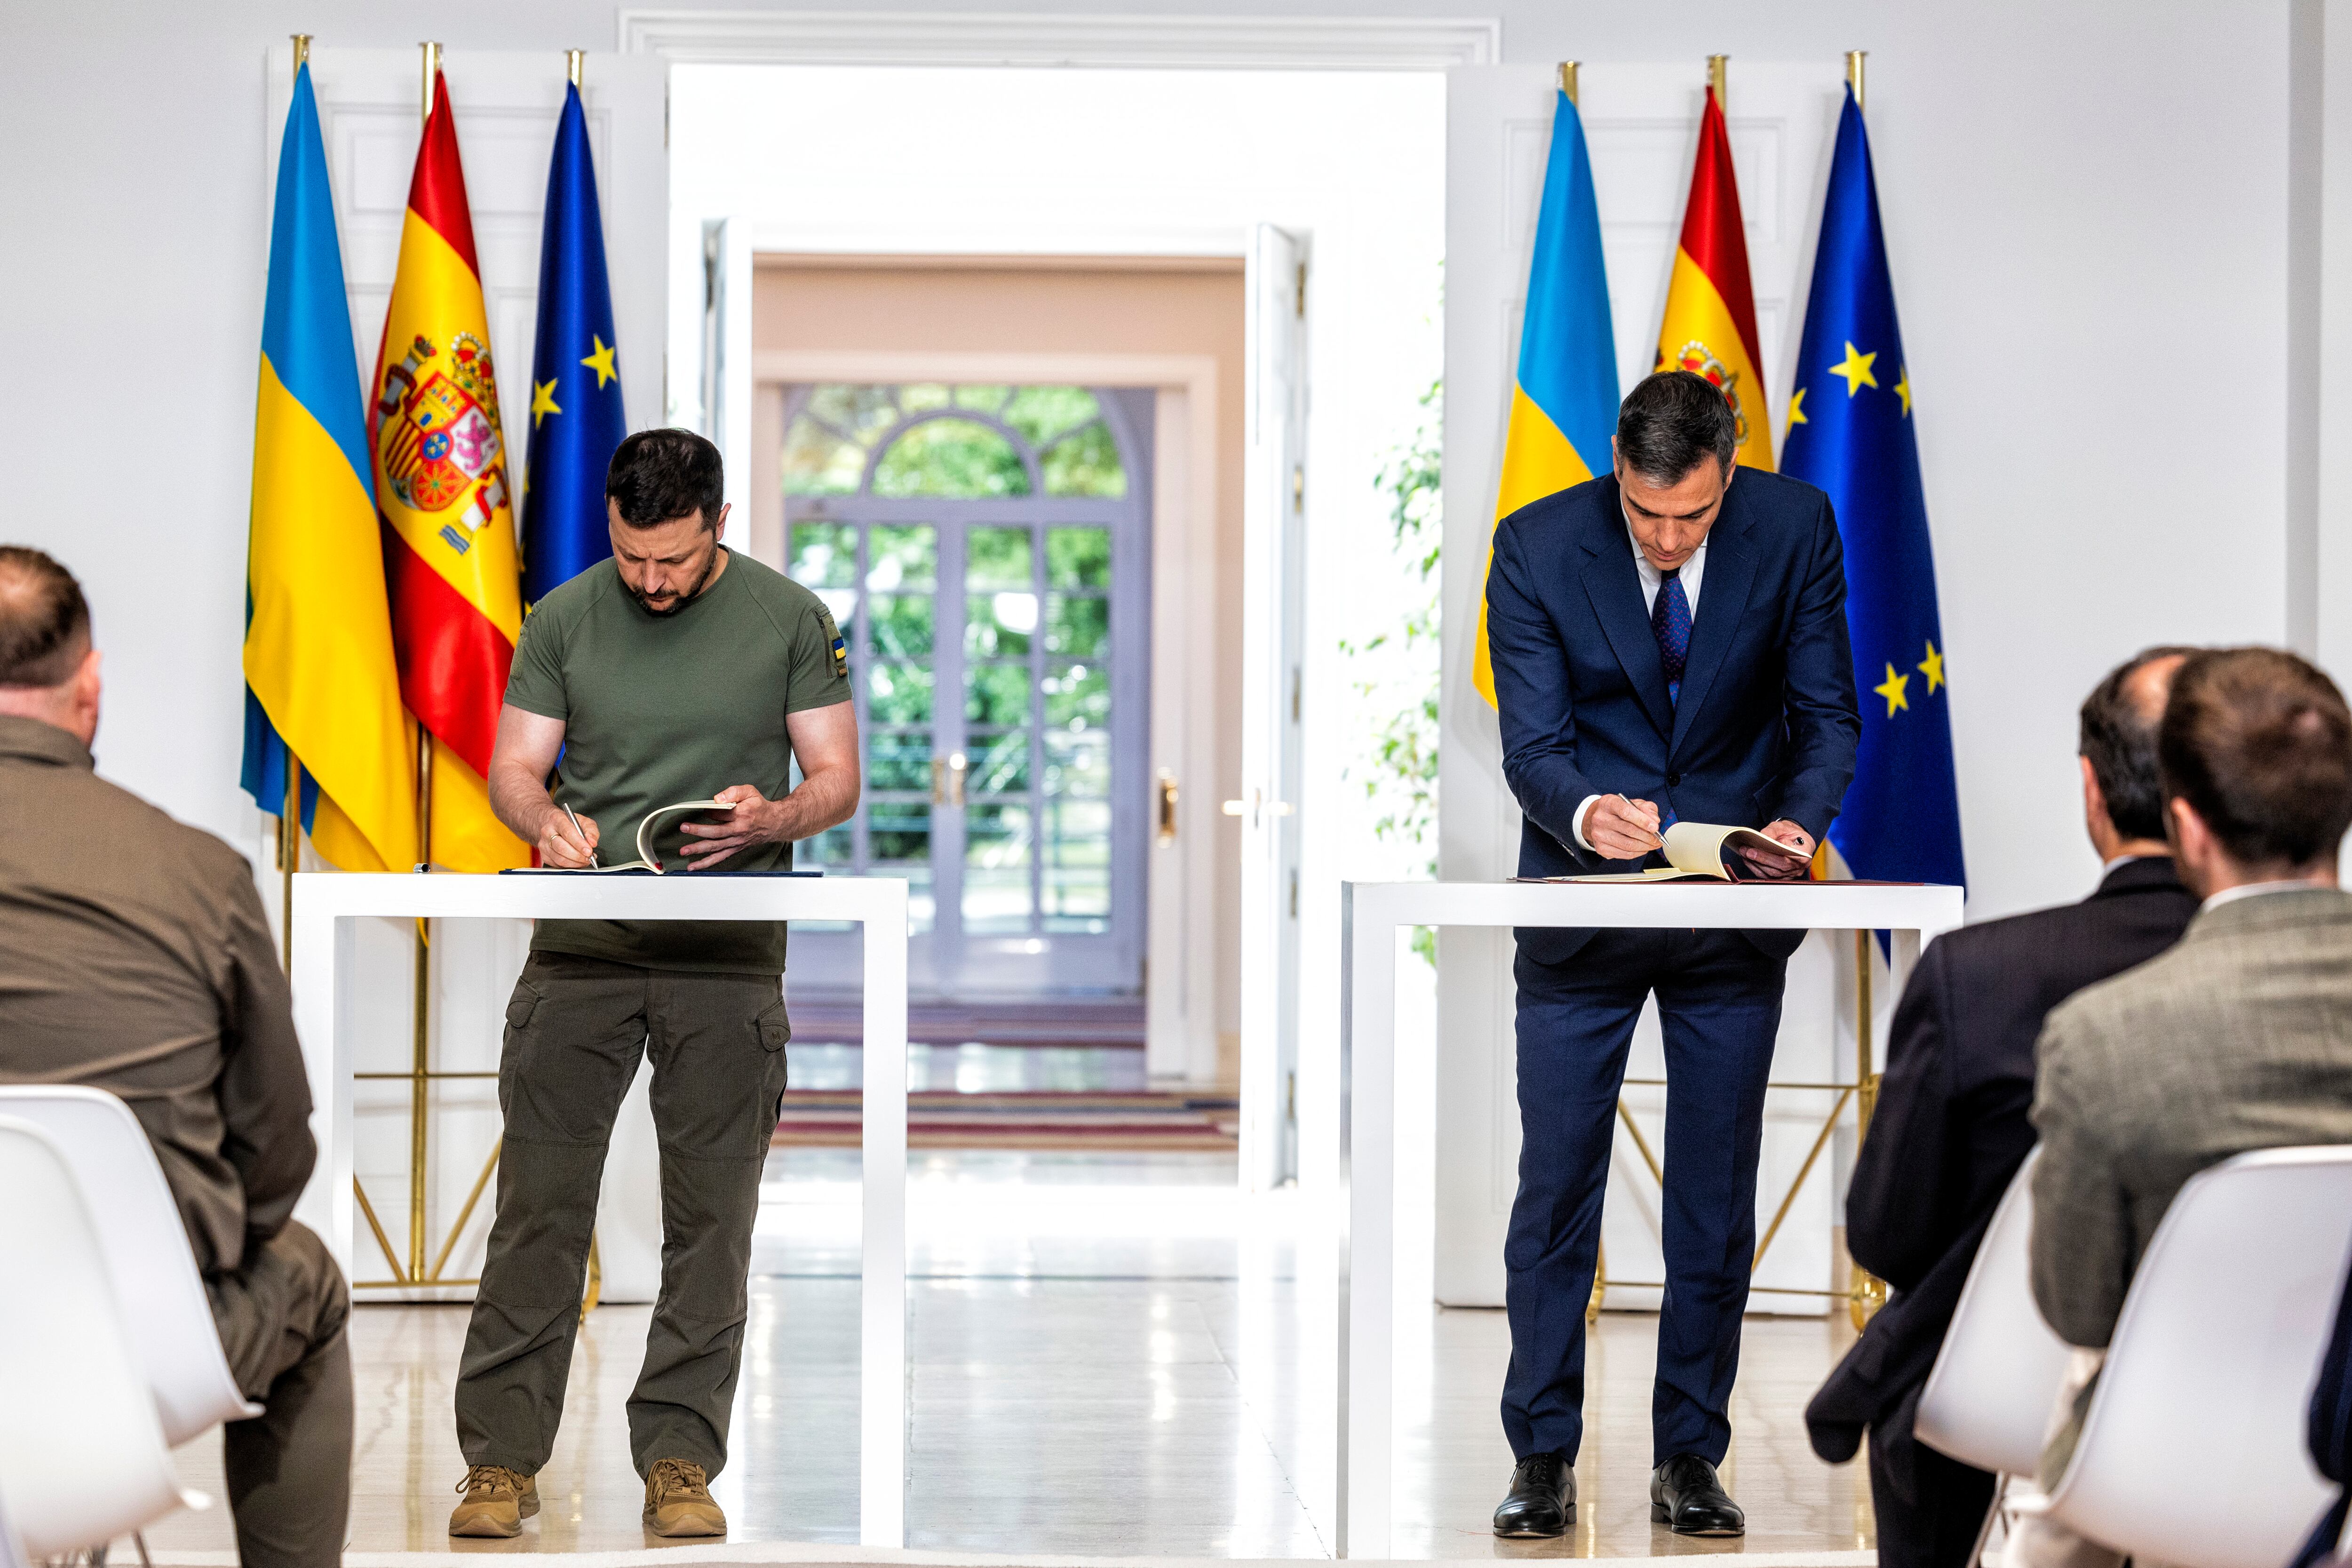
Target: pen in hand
(583, 835)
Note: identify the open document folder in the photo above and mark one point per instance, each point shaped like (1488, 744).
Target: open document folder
(1698, 851)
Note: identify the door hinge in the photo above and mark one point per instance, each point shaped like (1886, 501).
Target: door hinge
(1297, 681)
(1298, 487)
(1294, 895)
(1301, 296)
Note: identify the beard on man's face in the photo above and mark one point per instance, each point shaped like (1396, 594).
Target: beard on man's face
(645, 603)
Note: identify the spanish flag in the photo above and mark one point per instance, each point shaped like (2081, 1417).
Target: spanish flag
(1564, 401)
(441, 488)
(321, 687)
(1710, 320)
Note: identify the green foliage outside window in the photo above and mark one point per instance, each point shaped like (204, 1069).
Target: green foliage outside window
(1402, 775)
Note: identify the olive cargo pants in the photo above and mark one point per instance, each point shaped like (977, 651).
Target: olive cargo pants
(281, 1315)
(575, 1030)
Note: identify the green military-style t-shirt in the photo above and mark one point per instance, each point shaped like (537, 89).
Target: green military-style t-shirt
(663, 708)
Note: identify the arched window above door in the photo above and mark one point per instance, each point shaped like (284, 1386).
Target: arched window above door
(933, 440)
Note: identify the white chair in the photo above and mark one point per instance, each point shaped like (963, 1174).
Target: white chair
(1988, 1400)
(161, 1296)
(12, 1550)
(81, 1454)
(2192, 1452)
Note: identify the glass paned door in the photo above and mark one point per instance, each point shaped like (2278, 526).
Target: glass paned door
(985, 550)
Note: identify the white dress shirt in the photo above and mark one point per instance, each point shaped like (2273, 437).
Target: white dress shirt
(2255, 890)
(1688, 575)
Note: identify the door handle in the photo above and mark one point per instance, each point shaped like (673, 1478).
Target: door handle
(1167, 833)
(1256, 807)
(946, 779)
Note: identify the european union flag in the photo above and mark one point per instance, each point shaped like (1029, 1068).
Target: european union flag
(575, 388)
(1850, 433)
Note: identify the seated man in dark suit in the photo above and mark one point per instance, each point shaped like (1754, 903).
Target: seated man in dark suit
(2239, 1038)
(1951, 1127)
(134, 957)
(2331, 1434)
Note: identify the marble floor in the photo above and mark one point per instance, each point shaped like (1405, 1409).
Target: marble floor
(1109, 1355)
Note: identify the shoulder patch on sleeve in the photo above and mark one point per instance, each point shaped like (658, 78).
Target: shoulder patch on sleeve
(834, 641)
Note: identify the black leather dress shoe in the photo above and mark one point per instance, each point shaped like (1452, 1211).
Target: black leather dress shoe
(1542, 1500)
(1686, 1496)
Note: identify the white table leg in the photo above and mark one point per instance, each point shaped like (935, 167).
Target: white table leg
(882, 1382)
(324, 950)
(1368, 1235)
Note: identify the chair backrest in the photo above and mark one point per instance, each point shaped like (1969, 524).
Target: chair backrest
(2192, 1452)
(12, 1550)
(1988, 1401)
(161, 1295)
(81, 1455)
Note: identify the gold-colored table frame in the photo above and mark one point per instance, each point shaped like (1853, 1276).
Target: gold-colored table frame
(1866, 1292)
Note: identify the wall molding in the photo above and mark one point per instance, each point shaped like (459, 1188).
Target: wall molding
(1037, 38)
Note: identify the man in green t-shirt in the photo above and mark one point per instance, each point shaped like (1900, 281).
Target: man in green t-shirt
(676, 670)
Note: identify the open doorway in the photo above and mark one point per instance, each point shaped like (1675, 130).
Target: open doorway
(981, 216)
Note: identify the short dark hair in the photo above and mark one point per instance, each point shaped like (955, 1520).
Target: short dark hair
(1672, 420)
(2259, 744)
(2118, 737)
(44, 619)
(659, 476)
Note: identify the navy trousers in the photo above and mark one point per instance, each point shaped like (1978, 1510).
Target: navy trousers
(1720, 1003)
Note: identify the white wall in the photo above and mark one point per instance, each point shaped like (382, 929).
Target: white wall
(2086, 207)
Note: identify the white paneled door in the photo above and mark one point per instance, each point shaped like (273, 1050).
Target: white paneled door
(1274, 534)
(1642, 121)
(370, 108)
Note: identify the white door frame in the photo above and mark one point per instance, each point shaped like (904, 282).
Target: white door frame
(1181, 941)
(984, 39)
(1011, 39)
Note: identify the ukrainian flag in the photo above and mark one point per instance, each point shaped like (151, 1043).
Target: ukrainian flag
(1564, 406)
(321, 687)
(1850, 432)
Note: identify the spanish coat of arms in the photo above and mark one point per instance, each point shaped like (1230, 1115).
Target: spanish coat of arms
(438, 429)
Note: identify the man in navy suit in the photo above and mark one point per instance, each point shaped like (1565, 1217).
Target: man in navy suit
(1669, 642)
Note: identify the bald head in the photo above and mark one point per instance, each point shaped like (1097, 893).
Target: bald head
(48, 671)
(2123, 792)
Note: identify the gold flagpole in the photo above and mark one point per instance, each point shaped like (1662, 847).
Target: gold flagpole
(1718, 76)
(572, 60)
(432, 70)
(420, 1060)
(289, 851)
(1868, 1292)
(1568, 79)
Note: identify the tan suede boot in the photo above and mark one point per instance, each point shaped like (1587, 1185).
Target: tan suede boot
(677, 1500)
(497, 1501)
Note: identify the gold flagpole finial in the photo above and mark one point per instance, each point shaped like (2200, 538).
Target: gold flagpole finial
(1568, 79)
(1853, 59)
(302, 50)
(432, 70)
(1718, 69)
(573, 60)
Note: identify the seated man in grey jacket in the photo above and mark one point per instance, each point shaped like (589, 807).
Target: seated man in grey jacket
(134, 957)
(2239, 1038)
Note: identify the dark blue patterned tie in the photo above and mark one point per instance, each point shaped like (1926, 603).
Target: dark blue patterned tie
(1670, 623)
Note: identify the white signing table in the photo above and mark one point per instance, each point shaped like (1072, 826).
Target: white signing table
(325, 903)
(1370, 914)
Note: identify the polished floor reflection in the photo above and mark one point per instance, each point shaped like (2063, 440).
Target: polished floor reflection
(1109, 1355)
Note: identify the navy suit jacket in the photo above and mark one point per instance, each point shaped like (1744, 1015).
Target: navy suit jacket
(1766, 725)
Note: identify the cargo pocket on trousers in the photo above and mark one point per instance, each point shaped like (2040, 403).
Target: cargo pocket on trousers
(775, 1031)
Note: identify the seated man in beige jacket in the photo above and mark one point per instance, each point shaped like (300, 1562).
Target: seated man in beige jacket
(134, 957)
(2239, 1038)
